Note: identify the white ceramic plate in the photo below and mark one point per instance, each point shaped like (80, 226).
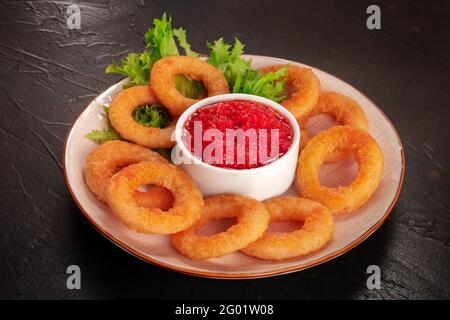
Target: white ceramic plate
(350, 229)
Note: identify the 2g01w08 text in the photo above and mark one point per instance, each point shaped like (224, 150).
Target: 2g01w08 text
(245, 309)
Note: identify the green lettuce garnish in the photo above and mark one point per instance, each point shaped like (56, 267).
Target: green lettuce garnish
(101, 136)
(269, 85)
(155, 116)
(135, 66)
(180, 33)
(240, 75)
(190, 88)
(162, 41)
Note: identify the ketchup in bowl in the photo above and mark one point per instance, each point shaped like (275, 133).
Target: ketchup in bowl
(237, 134)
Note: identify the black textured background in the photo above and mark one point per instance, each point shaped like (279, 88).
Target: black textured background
(49, 74)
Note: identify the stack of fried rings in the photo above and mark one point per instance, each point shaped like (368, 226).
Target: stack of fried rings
(107, 159)
(157, 211)
(187, 205)
(115, 170)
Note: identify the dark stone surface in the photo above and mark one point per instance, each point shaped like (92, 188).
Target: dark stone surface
(49, 74)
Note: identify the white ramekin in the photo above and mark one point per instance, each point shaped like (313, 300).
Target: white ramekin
(260, 183)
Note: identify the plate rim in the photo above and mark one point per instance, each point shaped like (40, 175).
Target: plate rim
(255, 275)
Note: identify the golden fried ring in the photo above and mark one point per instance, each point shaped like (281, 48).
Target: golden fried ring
(162, 80)
(317, 229)
(306, 86)
(120, 114)
(343, 109)
(186, 209)
(252, 220)
(106, 159)
(341, 199)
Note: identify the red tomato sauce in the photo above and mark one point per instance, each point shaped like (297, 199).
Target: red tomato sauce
(237, 134)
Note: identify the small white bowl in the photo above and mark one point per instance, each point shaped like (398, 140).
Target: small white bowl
(260, 183)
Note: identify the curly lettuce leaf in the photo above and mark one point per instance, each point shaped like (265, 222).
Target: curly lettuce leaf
(180, 34)
(154, 116)
(270, 85)
(135, 66)
(228, 61)
(240, 75)
(219, 55)
(160, 39)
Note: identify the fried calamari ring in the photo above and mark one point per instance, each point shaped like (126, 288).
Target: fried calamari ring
(343, 109)
(106, 159)
(252, 220)
(341, 199)
(120, 114)
(306, 89)
(162, 80)
(186, 209)
(317, 229)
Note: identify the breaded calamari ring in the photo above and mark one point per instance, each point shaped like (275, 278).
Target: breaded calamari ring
(306, 89)
(120, 114)
(252, 221)
(341, 199)
(108, 158)
(346, 112)
(162, 80)
(317, 229)
(187, 206)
